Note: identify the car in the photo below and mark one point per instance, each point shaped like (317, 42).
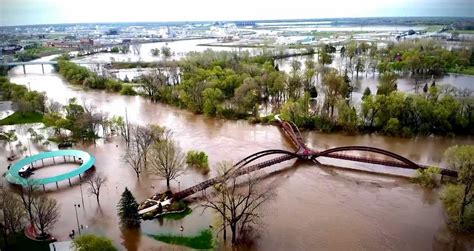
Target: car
(65, 144)
(12, 157)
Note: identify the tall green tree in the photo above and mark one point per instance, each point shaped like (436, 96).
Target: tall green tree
(128, 210)
(461, 158)
(387, 83)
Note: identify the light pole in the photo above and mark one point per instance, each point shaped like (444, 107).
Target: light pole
(82, 196)
(77, 218)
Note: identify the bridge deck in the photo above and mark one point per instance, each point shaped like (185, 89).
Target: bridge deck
(304, 152)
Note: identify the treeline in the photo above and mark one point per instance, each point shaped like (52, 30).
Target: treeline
(36, 51)
(438, 110)
(215, 83)
(423, 58)
(80, 75)
(26, 100)
(237, 86)
(83, 121)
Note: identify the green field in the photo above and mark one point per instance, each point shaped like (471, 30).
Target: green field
(467, 71)
(22, 118)
(177, 216)
(204, 240)
(42, 51)
(465, 31)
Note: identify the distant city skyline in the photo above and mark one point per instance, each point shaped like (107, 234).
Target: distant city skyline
(29, 12)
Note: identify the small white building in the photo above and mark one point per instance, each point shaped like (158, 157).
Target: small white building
(61, 246)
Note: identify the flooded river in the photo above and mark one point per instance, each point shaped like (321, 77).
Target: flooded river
(315, 207)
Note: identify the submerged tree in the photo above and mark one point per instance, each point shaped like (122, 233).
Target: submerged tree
(95, 184)
(11, 214)
(461, 158)
(9, 137)
(166, 160)
(28, 194)
(134, 158)
(46, 213)
(128, 210)
(239, 204)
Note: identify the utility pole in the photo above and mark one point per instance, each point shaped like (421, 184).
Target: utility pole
(77, 218)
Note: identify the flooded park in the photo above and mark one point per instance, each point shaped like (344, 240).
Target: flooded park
(317, 205)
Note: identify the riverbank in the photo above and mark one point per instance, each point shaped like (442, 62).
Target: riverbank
(22, 118)
(236, 92)
(39, 52)
(465, 71)
(204, 240)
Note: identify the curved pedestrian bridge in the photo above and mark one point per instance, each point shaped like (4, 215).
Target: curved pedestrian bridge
(86, 160)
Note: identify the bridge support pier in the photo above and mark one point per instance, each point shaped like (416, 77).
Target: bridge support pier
(69, 182)
(24, 69)
(44, 188)
(42, 68)
(57, 186)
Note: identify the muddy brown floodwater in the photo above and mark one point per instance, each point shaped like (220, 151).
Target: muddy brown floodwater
(315, 207)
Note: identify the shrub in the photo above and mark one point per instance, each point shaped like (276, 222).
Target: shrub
(324, 124)
(90, 242)
(427, 177)
(198, 160)
(128, 90)
(177, 206)
(451, 197)
(267, 119)
(113, 85)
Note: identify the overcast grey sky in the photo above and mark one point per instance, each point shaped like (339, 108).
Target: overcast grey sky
(19, 12)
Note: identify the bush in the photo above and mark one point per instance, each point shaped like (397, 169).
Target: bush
(452, 200)
(202, 241)
(267, 119)
(90, 242)
(177, 206)
(427, 177)
(128, 90)
(198, 160)
(323, 124)
(113, 85)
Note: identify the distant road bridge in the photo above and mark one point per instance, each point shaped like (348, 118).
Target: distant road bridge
(42, 63)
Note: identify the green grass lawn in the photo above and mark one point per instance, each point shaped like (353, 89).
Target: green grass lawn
(465, 31)
(22, 118)
(21, 242)
(177, 216)
(468, 71)
(433, 28)
(204, 240)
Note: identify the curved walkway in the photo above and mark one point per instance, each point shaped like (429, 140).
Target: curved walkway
(13, 175)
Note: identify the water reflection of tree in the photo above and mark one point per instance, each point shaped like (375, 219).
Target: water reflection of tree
(131, 238)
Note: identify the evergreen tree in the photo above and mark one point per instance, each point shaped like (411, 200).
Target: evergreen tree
(425, 88)
(367, 92)
(128, 210)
